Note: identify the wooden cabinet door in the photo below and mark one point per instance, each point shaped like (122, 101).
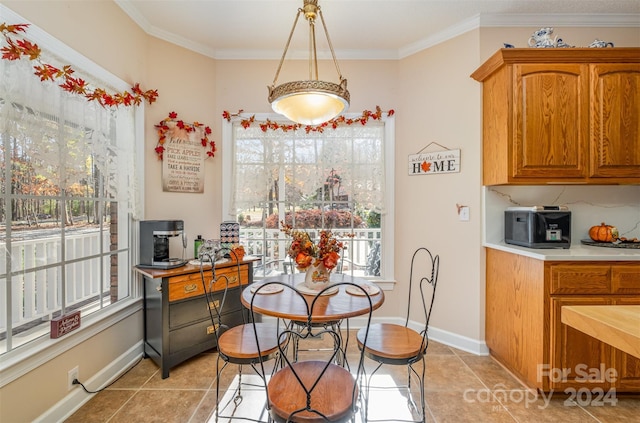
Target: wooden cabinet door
(550, 121)
(575, 356)
(615, 120)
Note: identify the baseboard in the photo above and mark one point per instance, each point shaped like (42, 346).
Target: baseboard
(78, 397)
(459, 342)
(451, 339)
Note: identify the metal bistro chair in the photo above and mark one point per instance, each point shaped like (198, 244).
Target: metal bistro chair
(400, 345)
(237, 344)
(316, 390)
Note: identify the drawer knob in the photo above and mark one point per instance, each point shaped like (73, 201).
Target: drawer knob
(211, 329)
(190, 288)
(213, 305)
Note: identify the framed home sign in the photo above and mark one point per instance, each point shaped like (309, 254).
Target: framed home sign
(446, 161)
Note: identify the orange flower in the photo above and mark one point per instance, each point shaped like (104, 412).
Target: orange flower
(331, 259)
(303, 260)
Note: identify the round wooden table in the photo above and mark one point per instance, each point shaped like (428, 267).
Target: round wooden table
(328, 308)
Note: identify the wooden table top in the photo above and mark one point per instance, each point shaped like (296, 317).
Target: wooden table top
(286, 305)
(616, 325)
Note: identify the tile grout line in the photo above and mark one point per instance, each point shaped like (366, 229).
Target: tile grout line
(505, 408)
(204, 397)
(132, 396)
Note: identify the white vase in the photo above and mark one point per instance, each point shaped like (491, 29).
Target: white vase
(317, 277)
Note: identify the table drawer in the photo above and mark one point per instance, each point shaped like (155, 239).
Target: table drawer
(188, 286)
(232, 274)
(199, 333)
(185, 312)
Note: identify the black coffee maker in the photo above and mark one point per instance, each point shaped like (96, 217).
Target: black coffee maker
(158, 240)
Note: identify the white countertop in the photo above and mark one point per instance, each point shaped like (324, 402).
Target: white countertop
(577, 252)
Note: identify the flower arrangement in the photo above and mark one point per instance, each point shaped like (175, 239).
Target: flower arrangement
(305, 253)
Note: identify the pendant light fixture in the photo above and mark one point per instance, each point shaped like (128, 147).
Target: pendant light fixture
(310, 102)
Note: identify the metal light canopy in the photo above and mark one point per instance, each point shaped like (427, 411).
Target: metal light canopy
(310, 102)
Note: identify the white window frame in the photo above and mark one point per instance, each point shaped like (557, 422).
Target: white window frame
(386, 279)
(25, 358)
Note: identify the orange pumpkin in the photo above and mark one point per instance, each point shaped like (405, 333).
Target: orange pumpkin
(603, 233)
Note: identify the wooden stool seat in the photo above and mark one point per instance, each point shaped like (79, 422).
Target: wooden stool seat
(391, 341)
(332, 394)
(239, 342)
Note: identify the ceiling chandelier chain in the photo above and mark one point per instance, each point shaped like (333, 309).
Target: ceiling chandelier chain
(310, 102)
(286, 48)
(333, 54)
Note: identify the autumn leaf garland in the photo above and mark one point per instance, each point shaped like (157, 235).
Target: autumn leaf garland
(333, 123)
(163, 128)
(15, 49)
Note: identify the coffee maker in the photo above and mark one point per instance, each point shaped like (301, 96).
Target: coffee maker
(158, 240)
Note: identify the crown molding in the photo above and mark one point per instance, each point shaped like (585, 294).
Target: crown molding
(535, 20)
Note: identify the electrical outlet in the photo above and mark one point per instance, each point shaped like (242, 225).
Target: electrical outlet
(74, 374)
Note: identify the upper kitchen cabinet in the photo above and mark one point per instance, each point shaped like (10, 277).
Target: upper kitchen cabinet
(561, 115)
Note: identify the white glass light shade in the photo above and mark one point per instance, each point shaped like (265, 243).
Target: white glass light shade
(310, 102)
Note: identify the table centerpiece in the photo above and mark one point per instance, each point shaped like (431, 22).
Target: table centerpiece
(317, 260)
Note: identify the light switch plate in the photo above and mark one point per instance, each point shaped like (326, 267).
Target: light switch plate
(463, 215)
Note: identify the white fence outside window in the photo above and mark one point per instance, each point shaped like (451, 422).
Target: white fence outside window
(36, 295)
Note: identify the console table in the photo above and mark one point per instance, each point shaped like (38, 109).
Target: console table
(177, 324)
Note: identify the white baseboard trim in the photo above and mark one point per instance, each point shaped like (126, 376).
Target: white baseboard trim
(451, 339)
(459, 342)
(78, 397)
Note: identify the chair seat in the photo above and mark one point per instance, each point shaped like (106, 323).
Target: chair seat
(395, 342)
(240, 341)
(332, 396)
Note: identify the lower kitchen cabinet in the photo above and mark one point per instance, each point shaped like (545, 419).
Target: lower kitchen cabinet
(524, 331)
(177, 321)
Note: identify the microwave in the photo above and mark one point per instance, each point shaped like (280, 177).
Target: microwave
(538, 226)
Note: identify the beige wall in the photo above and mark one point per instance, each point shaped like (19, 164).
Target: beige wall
(435, 101)
(439, 103)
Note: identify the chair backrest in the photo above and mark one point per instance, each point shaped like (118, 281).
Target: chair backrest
(304, 396)
(423, 276)
(216, 291)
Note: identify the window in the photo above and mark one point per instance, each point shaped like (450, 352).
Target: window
(68, 192)
(339, 179)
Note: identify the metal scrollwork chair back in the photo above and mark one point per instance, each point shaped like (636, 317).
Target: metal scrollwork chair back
(236, 342)
(401, 345)
(315, 389)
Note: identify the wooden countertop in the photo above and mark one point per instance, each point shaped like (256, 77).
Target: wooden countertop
(616, 325)
(187, 268)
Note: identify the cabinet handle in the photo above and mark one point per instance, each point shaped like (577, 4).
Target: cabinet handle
(159, 288)
(211, 329)
(214, 304)
(190, 288)
(233, 280)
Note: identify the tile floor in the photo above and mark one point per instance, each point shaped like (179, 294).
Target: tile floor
(460, 387)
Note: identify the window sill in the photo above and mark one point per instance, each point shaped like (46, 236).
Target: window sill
(26, 358)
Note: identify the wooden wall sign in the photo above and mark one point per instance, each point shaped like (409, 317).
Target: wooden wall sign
(447, 161)
(64, 324)
(183, 160)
